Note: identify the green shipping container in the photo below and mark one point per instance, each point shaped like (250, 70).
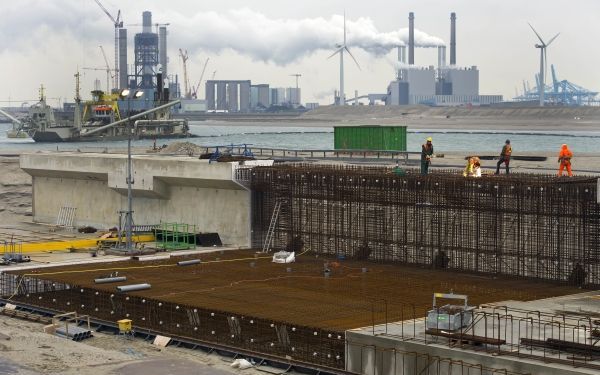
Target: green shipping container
(370, 137)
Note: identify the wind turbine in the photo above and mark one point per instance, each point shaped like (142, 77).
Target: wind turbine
(543, 63)
(340, 49)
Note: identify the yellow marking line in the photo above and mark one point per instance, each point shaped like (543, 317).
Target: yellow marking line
(41, 247)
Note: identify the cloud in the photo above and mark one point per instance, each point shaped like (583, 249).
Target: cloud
(283, 41)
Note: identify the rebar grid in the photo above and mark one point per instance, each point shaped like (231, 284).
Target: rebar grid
(524, 225)
(502, 330)
(283, 339)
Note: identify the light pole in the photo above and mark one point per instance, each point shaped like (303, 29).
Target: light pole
(126, 94)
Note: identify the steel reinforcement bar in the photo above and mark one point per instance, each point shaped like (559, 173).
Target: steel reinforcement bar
(531, 226)
(281, 339)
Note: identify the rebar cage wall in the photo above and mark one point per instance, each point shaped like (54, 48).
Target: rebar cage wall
(532, 226)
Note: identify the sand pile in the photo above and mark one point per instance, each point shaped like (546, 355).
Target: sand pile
(182, 148)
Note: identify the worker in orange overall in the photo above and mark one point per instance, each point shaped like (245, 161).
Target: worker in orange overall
(564, 158)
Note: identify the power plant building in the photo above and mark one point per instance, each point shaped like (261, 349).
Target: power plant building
(260, 96)
(228, 95)
(448, 85)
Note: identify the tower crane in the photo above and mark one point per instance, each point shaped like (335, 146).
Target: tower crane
(157, 25)
(118, 23)
(108, 71)
(186, 81)
(108, 76)
(195, 93)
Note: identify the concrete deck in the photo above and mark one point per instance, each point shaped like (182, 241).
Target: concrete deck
(165, 189)
(404, 346)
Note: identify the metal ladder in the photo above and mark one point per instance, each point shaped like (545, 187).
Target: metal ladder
(272, 225)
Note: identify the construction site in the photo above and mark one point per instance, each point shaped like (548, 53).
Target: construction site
(326, 267)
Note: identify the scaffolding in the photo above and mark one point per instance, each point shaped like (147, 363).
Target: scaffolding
(522, 225)
(175, 236)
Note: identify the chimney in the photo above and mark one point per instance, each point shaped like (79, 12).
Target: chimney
(452, 38)
(441, 57)
(401, 59)
(146, 22)
(411, 38)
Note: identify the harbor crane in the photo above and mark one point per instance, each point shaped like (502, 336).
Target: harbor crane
(108, 71)
(118, 23)
(195, 93)
(186, 80)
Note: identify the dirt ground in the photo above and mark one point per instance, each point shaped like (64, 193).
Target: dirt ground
(300, 293)
(15, 192)
(30, 351)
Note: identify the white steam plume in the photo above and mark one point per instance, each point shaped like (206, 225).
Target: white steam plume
(283, 41)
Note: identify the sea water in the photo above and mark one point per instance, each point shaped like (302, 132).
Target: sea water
(315, 138)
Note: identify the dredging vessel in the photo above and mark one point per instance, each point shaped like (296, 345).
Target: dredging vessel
(101, 120)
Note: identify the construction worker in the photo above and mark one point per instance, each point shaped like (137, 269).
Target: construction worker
(426, 154)
(564, 158)
(504, 157)
(473, 168)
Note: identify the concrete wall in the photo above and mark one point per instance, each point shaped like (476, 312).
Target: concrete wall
(166, 189)
(385, 355)
(464, 81)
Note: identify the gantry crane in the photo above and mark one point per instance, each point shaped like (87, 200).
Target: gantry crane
(118, 23)
(195, 93)
(186, 82)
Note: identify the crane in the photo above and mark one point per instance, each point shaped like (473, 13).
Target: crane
(157, 25)
(195, 93)
(108, 70)
(186, 81)
(108, 76)
(118, 23)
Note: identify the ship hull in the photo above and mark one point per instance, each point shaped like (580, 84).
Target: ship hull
(53, 137)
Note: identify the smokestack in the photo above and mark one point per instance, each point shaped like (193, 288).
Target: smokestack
(401, 59)
(147, 22)
(452, 38)
(123, 78)
(162, 49)
(441, 57)
(411, 38)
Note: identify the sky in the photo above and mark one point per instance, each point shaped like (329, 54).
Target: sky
(266, 41)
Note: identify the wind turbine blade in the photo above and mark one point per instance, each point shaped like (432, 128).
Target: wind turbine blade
(336, 52)
(545, 66)
(551, 40)
(344, 27)
(350, 53)
(536, 33)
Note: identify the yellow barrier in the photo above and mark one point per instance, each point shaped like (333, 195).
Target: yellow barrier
(40, 247)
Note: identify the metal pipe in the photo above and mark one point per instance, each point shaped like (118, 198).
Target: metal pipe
(134, 117)
(189, 262)
(106, 280)
(10, 117)
(133, 287)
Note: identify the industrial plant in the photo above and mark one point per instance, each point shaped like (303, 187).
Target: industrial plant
(446, 85)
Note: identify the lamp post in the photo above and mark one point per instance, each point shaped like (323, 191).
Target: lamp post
(128, 95)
